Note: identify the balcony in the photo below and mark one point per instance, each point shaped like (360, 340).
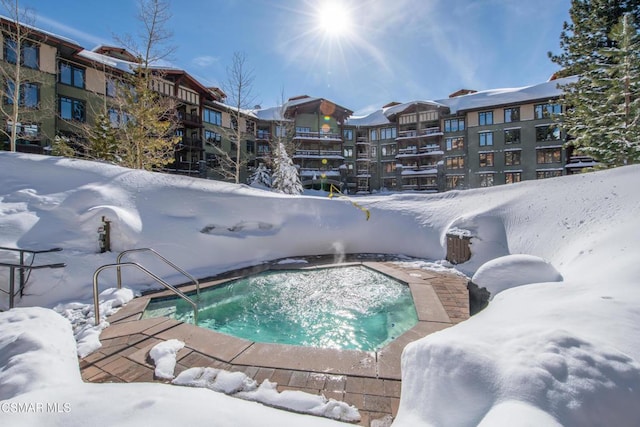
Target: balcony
(317, 172)
(318, 154)
(362, 141)
(364, 156)
(416, 134)
(189, 119)
(190, 143)
(428, 150)
(318, 136)
(262, 135)
(419, 170)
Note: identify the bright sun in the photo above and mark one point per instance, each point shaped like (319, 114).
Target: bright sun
(333, 19)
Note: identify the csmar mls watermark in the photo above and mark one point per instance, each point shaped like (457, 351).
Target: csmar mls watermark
(35, 407)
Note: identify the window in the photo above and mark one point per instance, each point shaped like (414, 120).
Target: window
(29, 53)
(281, 131)
(110, 88)
(234, 123)
(388, 133)
(512, 158)
(373, 134)
(455, 143)
(72, 109)
(548, 155)
(512, 114)
(71, 75)
(388, 150)
(485, 118)
(251, 146)
(29, 96)
(453, 125)
(212, 137)
(456, 162)
(455, 181)
(486, 179)
(347, 134)
(348, 151)
(511, 177)
(486, 159)
(486, 139)
(263, 149)
(547, 133)
(25, 130)
(548, 174)
(545, 111)
(390, 167)
(512, 136)
(211, 116)
(303, 129)
(250, 126)
(374, 152)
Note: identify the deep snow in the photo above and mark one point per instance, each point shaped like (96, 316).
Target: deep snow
(552, 353)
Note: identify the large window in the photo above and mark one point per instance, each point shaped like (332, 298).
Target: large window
(71, 75)
(388, 133)
(29, 96)
(453, 125)
(545, 111)
(455, 181)
(512, 114)
(512, 136)
(250, 146)
(548, 155)
(486, 139)
(347, 134)
(486, 179)
(373, 135)
(456, 162)
(25, 130)
(212, 137)
(512, 177)
(29, 53)
(548, 174)
(486, 159)
(485, 118)
(111, 88)
(388, 150)
(455, 143)
(348, 151)
(212, 116)
(72, 109)
(281, 131)
(548, 133)
(512, 158)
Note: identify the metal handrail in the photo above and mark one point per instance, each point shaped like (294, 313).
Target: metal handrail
(176, 291)
(12, 273)
(22, 267)
(123, 253)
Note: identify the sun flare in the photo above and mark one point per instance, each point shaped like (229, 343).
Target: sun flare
(333, 19)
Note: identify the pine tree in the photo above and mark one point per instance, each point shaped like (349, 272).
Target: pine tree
(589, 32)
(602, 106)
(285, 174)
(103, 140)
(260, 177)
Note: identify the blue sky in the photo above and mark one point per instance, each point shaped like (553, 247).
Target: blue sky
(393, 50)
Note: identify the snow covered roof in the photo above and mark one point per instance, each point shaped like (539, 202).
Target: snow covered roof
(400, 108)
(39, 30)
(494, 97)
(109, 61)
(377, 118)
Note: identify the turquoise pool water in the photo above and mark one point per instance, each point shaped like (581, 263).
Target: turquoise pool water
(341, 307)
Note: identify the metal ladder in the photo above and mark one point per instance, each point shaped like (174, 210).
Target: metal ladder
(118, 266)
(22, 268)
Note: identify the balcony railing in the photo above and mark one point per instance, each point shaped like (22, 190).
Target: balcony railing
(318, 135)
(187, 142)
(362, 141)
(410, 134)
(190, 118)
(319, 154)
(317, 172)
(263, 135)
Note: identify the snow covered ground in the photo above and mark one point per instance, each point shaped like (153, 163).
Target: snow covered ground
(543, 353)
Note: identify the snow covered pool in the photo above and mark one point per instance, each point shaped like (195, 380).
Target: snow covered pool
(350, 307)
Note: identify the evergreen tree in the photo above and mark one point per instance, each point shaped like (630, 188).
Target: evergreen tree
(285, 174)
(602, 105)
(103, 140)
(260, 177)
(589, 32)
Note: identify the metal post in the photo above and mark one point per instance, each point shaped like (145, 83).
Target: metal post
(22, 284)
(12, 273)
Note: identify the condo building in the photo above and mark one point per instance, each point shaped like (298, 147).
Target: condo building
(467, 140)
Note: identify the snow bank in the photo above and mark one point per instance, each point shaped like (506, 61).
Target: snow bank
(514, 270)
(37, 351)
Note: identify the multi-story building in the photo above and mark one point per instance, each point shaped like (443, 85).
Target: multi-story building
(468, 140)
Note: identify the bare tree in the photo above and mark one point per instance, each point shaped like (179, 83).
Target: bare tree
(18, 82)
(238, 86)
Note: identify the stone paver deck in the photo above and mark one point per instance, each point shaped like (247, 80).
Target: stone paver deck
(369, 381)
